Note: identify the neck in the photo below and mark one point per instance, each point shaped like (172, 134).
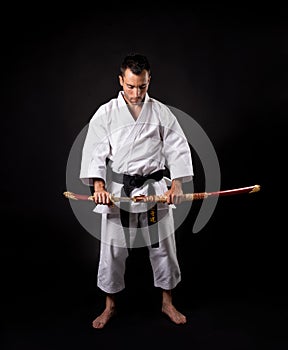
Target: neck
(135, 109)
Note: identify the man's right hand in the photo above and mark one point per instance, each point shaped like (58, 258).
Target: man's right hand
(101, 196)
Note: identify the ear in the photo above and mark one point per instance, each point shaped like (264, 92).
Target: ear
(121, 81)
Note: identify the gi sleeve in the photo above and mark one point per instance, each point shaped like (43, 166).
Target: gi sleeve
(176, 148)
(95, 150)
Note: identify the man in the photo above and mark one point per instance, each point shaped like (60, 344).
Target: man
(130, 141)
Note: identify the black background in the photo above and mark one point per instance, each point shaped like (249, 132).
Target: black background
(224, 66)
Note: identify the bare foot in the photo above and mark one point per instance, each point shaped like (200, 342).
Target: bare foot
(101, 320)
(174, 315)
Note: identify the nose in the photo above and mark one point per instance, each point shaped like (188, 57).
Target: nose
(137, 92)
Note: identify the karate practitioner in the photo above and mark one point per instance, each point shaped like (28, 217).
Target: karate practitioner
(129, 142)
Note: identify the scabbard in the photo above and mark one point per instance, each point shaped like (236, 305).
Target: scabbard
(189, 197)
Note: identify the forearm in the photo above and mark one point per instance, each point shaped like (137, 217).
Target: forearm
(99, 184)
(175, 192)
(176, 185)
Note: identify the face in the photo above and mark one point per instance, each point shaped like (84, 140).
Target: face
(134, 86)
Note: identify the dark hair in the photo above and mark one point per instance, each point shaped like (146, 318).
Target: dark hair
(136, 62)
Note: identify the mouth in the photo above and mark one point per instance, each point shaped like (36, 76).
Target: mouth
(136, 100)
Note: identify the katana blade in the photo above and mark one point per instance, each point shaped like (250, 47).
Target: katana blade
(187, 197)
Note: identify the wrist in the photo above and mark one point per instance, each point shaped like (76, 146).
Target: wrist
(176, 184)
(98, 185)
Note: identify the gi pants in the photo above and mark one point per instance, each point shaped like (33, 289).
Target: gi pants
(114, 250)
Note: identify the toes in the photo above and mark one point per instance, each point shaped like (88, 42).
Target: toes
(98, 324)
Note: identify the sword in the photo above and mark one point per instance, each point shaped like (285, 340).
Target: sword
(187, 197)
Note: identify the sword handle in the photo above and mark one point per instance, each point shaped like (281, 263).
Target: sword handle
(76, 196)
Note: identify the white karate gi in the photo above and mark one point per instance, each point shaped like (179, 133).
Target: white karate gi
(142, 146)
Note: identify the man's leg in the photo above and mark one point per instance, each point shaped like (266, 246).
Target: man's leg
(165, 266)
(111, 268)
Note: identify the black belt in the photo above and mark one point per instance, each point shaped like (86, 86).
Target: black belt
(130, 182)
